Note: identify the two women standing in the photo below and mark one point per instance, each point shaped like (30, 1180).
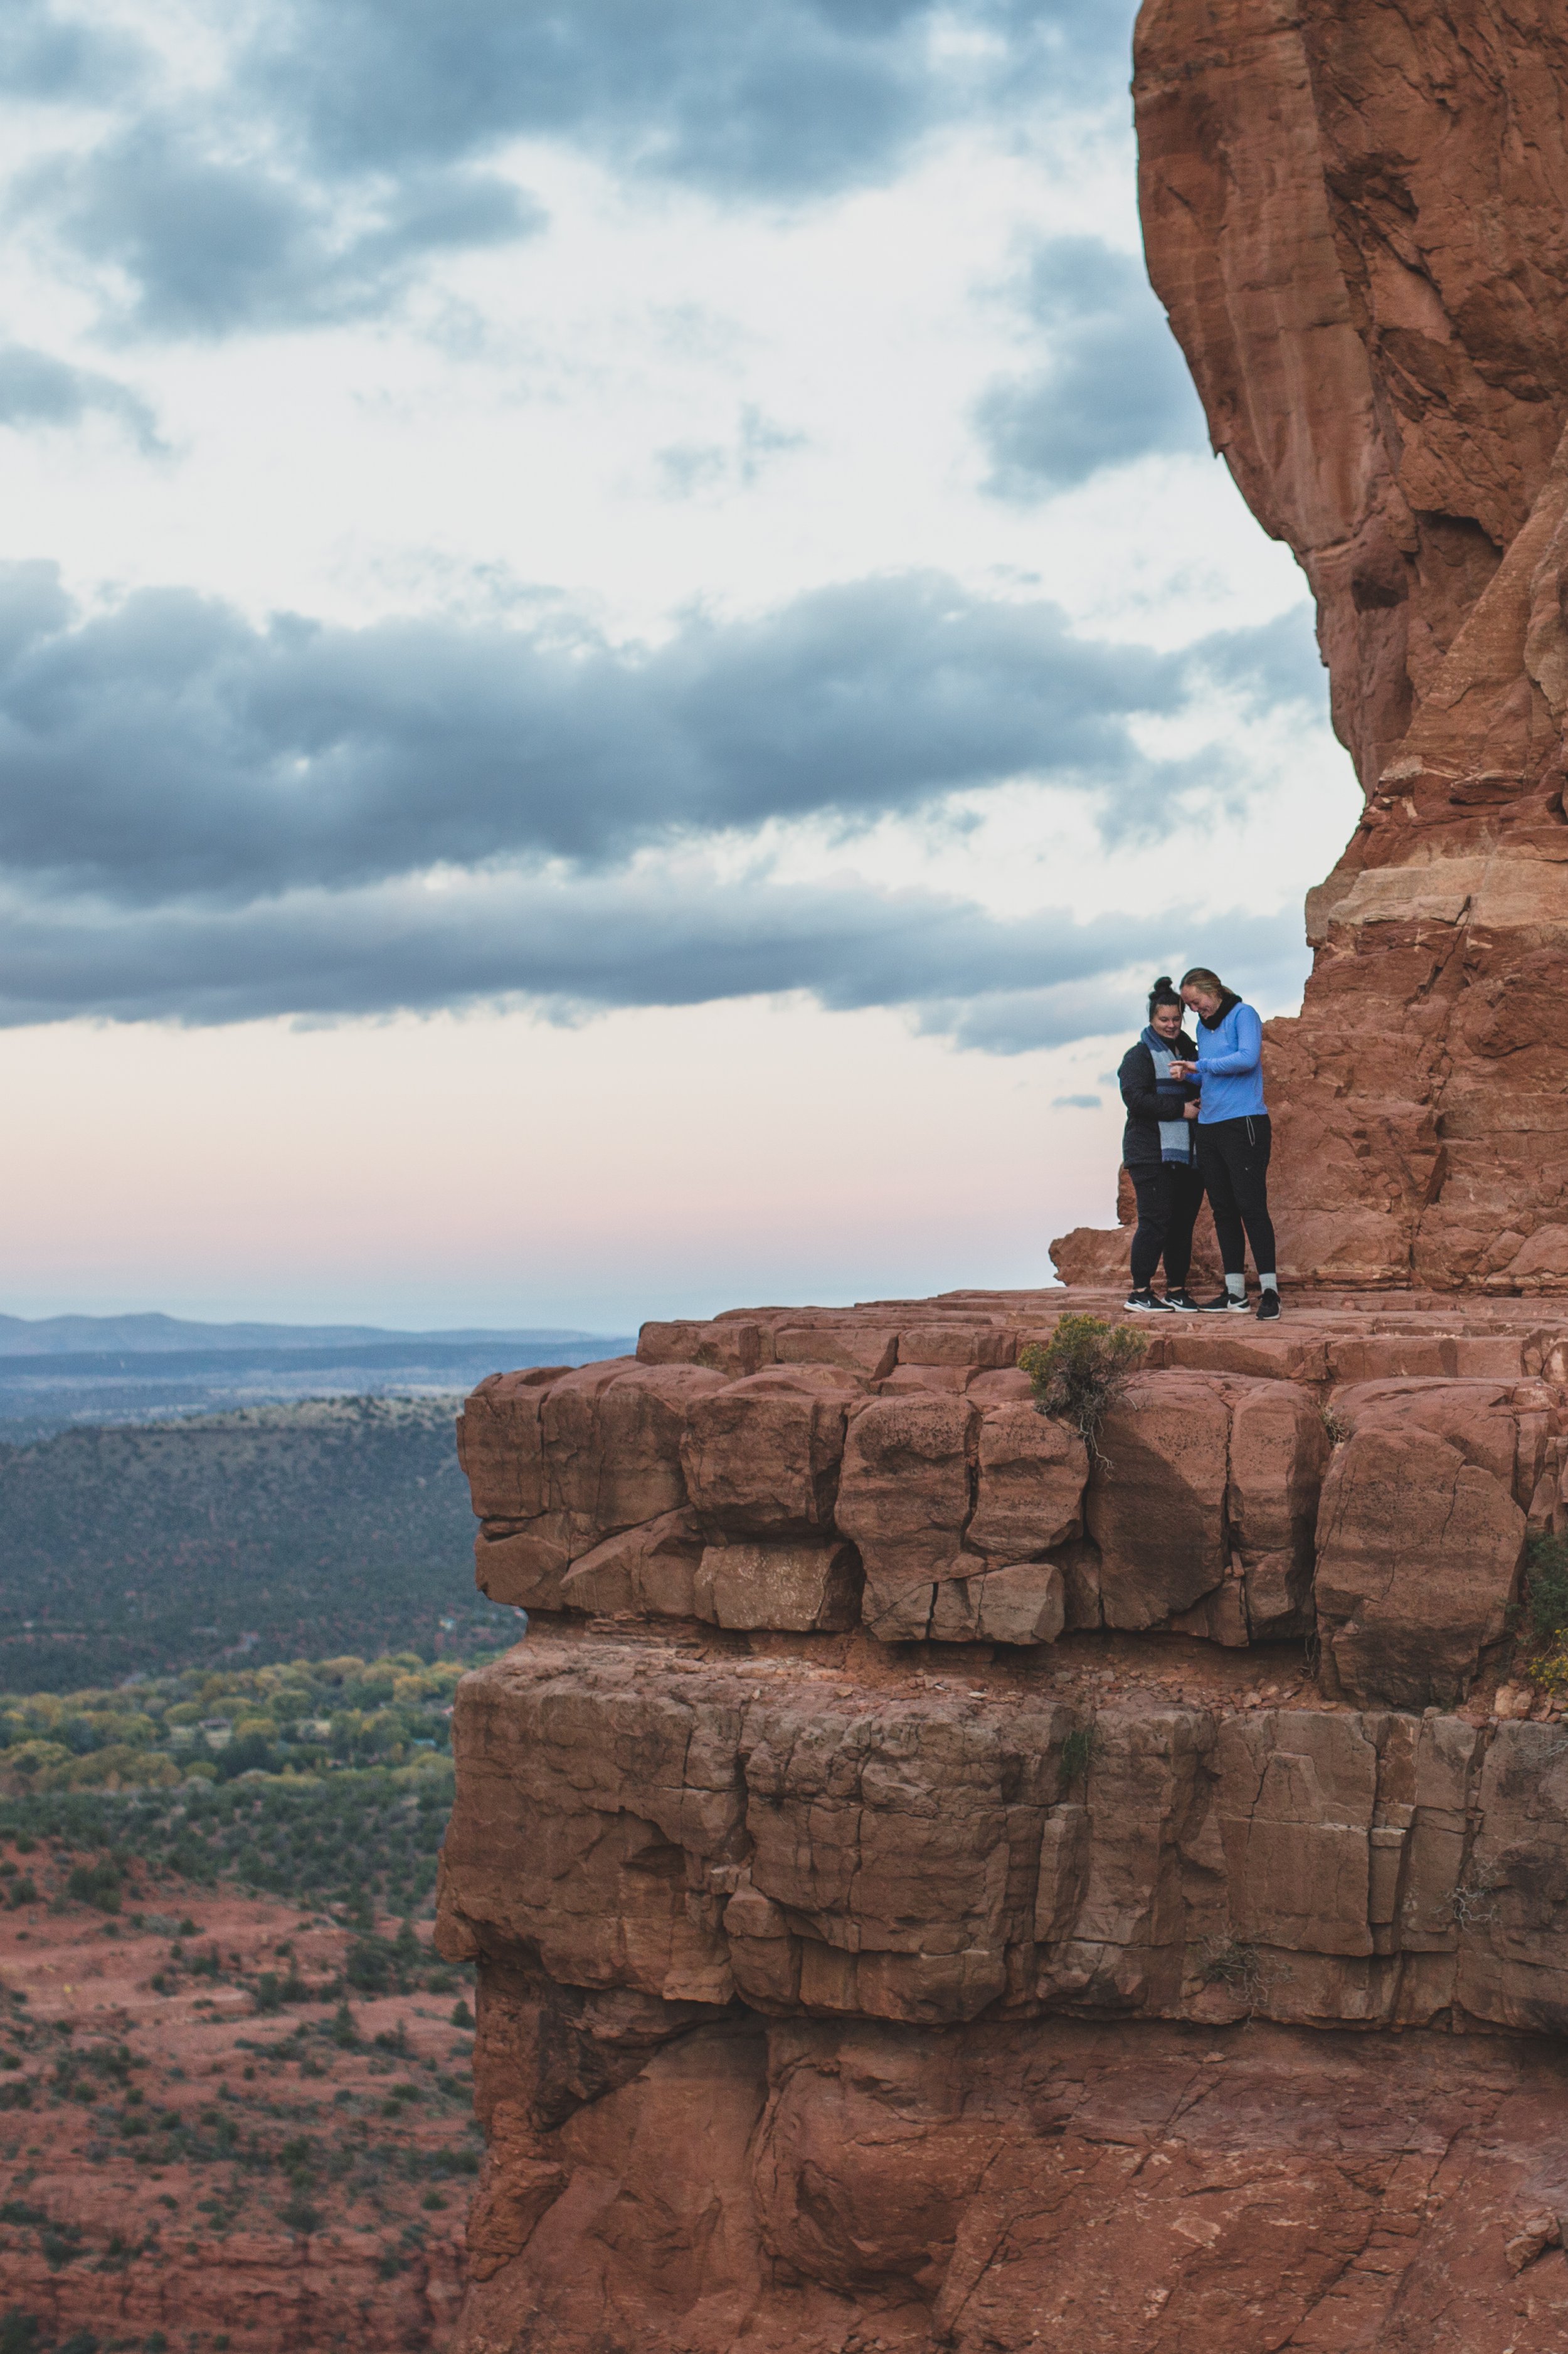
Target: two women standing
(1197, 1123)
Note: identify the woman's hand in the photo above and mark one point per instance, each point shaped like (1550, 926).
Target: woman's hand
(1189, 1111)
(1183, 1070)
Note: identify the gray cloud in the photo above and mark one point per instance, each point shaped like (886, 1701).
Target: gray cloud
(1113, 387)
(208, 821)
(37, 389)
(1278, 662)
(575, 947)
(1265, 957)
(349, 144)
(710, 469)
(46, 55)
(169, 746)
(208, 244)
(777, 99)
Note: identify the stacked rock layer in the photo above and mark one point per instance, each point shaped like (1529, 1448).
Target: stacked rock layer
(908, 1850)
(1356, 214)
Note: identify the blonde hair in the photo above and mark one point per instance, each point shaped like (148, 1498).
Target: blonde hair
(1202, 978)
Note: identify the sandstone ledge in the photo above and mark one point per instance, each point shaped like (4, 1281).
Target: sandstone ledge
(1367, 1478)
(784, 1832)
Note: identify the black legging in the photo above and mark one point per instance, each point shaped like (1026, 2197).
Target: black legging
(1234, 1156)
(1170, 1195)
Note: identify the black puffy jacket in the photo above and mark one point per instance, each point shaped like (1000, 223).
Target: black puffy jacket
(1140, 1093)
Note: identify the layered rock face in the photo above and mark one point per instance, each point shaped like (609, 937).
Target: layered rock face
(1356, 214)
(935, 1885)
(924, 1892)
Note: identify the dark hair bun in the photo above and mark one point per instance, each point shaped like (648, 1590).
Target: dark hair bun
(1163, 981)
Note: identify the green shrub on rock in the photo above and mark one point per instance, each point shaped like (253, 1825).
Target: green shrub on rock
(1080, 1372)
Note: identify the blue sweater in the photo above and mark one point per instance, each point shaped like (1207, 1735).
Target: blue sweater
(1230, 1068)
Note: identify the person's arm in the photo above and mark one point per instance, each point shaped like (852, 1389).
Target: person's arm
(1136, 1079)
(1249, 1050)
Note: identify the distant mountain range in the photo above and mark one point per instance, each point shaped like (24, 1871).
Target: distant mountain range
(57, 1371)
(152, 1334)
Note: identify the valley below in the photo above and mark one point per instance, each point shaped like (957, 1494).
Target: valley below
(226, 2122)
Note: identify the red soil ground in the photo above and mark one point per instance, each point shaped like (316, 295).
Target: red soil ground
(180, 2166)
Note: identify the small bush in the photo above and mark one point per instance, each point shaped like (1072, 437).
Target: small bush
(1076, 1750)
(1238, 1967)
(1080, 1372)
(95, 1883)
(368, 1968)
(61, 2243)
(1547, 1571)
(1546, 1602)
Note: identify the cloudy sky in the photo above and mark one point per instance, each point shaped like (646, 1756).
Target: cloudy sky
(619, 652)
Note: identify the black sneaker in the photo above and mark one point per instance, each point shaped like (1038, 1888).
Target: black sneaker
(1144, 1303)
(1267, 1306)
(1181, 1299)
(1227, 1300)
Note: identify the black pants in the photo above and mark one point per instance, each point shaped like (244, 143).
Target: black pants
(1169, 1199)
(1234, 1156)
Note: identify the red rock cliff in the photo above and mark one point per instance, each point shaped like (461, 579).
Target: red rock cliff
(926, 1895)
(1356, 213)
(932, 1889)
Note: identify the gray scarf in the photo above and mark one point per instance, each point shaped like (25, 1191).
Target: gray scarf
(1175, 1135)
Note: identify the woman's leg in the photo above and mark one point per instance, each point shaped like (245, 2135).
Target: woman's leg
(1153, 1219)
(1186, 1201)
(1214, 1163)
(1246, 1159)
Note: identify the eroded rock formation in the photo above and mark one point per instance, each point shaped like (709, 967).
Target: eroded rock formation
(1356, 214)
(937, 1886)
(905, 1851)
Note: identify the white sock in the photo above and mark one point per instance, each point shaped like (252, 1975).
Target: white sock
(1236, 1286)
(1268, 1282)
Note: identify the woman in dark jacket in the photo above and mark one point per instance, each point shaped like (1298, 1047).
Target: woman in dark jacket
(1158, 1152)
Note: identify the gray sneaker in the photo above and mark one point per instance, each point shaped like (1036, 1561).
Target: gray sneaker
(1144, 1303)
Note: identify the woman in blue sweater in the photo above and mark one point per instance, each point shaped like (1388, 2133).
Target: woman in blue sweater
(1234, 1135)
